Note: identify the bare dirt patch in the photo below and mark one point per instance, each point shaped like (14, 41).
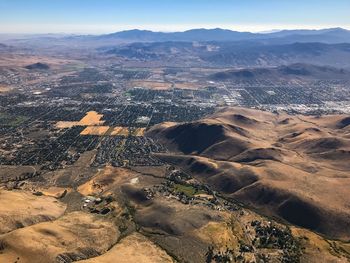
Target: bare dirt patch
(139, 132)
(107, 179)
(188, 85)
(67, 124)
(95, 130)
(5, 89)
(54, 191)
(156, 85)
(92, 118)
(121, 131)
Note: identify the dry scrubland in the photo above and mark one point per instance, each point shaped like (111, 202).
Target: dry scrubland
(20, 209)
(40, 228)
(137, 229)
(75, 233)
(134, 248)
(16, 60)
(293, 167)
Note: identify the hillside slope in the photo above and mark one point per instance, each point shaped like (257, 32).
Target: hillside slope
(286, 73)
(293, 167)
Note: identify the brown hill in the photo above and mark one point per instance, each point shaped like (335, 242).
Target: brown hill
(74, 236)
(29, 210)
(293, 167)
(290, 72)
(38, 66)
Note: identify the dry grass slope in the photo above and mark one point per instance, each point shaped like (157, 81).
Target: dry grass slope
(133, 249)
(72, 237)
(20, 209)
(293, 167)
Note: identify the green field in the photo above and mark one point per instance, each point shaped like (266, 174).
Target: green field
(188, 190)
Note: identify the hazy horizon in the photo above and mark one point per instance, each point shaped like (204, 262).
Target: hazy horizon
(121, 29)
(106, 16)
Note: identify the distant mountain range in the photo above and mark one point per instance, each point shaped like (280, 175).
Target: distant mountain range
(326, 36)
(190, 35)
(209, 47)
(332, 35)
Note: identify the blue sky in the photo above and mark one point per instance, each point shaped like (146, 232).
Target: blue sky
(102, 16)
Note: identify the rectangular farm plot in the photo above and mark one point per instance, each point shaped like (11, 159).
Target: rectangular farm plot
(139, 132)
(188, 85)
(124, 131)
(92, 118)
(155, 85)
(4, 89)
(66, 124)
(120, 131)
(95, 130)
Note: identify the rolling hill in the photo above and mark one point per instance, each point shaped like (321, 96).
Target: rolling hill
(291, 167)
(288, 72)
(38, 66)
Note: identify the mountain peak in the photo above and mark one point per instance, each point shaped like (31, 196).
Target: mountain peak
(330, 35)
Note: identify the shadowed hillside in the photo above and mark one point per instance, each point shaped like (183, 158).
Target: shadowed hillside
(292, 167)
(38, 66)
(290, 72)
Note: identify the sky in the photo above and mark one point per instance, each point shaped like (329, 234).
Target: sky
(106, 16)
